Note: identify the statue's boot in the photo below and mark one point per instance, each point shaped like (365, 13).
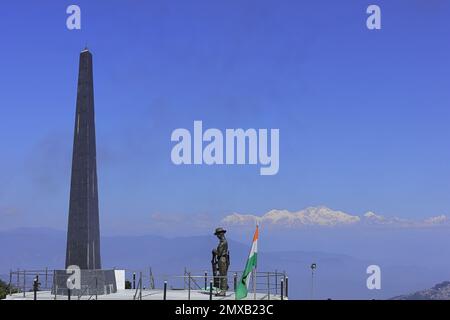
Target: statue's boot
(221, 293)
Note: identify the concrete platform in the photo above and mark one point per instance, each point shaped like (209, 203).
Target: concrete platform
(156, 294)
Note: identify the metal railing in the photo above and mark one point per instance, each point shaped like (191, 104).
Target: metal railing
(263, 285)
(23, 280)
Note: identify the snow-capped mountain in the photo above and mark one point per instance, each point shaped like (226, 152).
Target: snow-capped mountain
(373, 219)
(321, 216)
(326, 217)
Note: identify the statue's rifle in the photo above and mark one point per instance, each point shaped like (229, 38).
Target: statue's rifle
(215, 270)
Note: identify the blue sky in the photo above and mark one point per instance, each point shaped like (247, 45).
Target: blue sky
(363, 115)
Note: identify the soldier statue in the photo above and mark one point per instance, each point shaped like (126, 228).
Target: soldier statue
(221, 262)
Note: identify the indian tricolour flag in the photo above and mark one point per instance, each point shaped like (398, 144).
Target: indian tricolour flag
(242, 287)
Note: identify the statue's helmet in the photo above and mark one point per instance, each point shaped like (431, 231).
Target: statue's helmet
(219, 230)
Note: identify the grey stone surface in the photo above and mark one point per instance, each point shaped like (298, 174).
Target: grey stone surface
(83, 233)
(91, 282)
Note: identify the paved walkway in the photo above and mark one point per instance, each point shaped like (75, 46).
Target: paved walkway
(156, 294)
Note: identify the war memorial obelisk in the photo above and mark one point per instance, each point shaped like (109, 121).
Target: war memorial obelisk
(83, 232)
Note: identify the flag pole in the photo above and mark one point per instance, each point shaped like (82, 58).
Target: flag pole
(254, 283)
(254, 270)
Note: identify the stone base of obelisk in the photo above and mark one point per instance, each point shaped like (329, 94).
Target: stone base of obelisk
(92, 282)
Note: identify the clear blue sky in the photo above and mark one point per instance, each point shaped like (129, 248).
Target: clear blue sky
(363, 115)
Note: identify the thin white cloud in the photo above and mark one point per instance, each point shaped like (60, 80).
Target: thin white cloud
(9, 211)
(170, 220)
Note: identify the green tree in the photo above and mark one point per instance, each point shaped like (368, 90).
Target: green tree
(4, 289)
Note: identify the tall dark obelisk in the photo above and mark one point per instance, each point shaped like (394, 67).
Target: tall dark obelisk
(83, 234)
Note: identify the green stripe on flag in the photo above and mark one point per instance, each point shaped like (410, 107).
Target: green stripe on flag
(241, 290)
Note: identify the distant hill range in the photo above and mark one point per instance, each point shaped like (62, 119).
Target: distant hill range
(440, 291)
(338, 276)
